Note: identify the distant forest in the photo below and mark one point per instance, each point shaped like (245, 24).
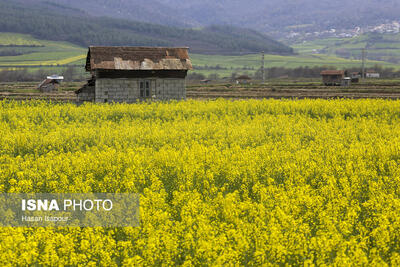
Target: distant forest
(84, 30)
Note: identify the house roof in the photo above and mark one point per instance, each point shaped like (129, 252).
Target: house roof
(55, 77)
(243, 77)
(137, 58)
(332, 72)
(47, 81)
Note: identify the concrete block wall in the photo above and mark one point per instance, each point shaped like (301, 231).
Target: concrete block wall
(116, 90)
(87, 95)
(174, 89)
(127, 90)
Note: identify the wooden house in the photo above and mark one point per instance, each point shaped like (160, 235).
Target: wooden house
(332, 77)
(242, 79)
(129, 74)
(50, 84)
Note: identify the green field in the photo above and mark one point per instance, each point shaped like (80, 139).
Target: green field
(381, 47)
(18, 39)
(38, 52)
(241, 63)
(23, 51)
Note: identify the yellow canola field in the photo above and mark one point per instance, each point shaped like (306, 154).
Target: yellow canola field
(70, 60)
(65, 61)
(271, 182)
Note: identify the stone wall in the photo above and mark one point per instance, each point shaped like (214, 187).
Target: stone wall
(127, 90)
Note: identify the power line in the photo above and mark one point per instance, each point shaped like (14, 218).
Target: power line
(363, 62)
(263, 67)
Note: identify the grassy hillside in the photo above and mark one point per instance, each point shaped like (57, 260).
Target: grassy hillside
(31, 52)
(381, 47)
(14, 39)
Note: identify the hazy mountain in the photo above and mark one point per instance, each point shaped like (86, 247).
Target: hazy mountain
(264, 15)
(53, 21)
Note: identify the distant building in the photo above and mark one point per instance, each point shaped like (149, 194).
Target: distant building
(129, 74)
(50, 84)
(332, 77)
(242, 79)
(205, 81)
(346, 81)
(372, 74)
(355, 77)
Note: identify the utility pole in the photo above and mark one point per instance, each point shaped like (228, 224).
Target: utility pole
(363, 63)
(263, 67)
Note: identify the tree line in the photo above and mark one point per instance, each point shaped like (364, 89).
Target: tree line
(70, 74)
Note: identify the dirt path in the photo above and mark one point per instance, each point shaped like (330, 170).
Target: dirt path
(386, 90)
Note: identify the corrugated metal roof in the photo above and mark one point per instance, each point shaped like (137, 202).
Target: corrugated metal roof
(332, 72)
(47, 81)
(55, 77)
(137, 58)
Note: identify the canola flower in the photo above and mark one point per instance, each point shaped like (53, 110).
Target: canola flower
(257, 182)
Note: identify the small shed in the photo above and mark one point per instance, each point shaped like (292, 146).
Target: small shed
(242, 79)
(346, 81)
(50, 84)
(332, 77)
(129, 74)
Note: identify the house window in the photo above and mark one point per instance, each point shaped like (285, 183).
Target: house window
(145, 89)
